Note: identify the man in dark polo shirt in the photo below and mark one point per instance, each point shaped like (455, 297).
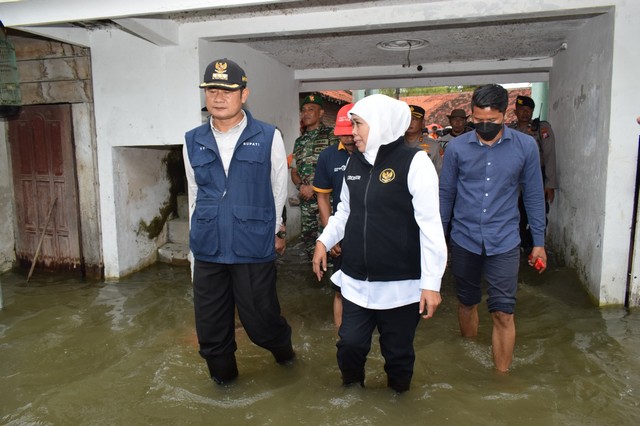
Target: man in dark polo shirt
(327, 185)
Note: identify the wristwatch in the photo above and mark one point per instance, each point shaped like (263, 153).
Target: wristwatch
(281, 234)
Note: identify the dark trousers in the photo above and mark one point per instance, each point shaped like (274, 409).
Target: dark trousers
(526, 239)
(397, 328)
(217, 290)
(500, 272)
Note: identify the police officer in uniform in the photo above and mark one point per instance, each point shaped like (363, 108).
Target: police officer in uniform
(414, 137)
(458, 122)
(543, 134)
(306, 150)
(237, 177)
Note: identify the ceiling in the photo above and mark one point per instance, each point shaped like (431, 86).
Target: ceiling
(522, 37)
(517, 37)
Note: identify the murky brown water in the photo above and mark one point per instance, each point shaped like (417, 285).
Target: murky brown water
(125, 353)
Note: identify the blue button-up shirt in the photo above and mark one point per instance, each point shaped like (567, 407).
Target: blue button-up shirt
(479, 188)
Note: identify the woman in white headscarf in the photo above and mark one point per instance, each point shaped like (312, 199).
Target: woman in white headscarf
(393, 246)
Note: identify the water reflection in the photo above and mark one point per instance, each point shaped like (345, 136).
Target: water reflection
(73, 352)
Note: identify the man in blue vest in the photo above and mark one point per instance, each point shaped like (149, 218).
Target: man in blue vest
(237, 175)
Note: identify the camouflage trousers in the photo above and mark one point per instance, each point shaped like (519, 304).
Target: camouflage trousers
(310, 224)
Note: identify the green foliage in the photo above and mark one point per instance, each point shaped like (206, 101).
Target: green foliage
(420, 91)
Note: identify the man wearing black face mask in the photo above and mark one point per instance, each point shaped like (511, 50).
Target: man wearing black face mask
(481, 175)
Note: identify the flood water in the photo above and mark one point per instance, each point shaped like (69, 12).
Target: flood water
(74, 352)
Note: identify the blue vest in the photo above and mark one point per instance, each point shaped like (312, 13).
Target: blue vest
(234, 217)
(382, 237)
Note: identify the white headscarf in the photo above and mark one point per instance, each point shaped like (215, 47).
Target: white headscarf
(388, 119)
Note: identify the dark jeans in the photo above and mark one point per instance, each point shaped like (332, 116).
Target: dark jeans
(217, 290)
(397, 329)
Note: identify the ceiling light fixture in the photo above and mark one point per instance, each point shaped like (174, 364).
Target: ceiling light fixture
(402, 45)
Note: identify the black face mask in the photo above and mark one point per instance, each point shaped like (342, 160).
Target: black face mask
(487, 130)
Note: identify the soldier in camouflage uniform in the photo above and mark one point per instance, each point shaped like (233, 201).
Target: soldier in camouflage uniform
(306, 150)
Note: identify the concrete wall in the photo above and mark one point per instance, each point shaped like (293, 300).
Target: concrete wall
(144, 96)
(623, 158)
(7, 207)
(130, 111)
(142, 192)
(579, 96)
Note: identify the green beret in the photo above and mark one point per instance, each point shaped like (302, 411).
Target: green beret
(312, 99)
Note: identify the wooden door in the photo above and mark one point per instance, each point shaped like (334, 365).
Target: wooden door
(42, 156)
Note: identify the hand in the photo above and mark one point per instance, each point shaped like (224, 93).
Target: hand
(538, 253)
(549, 194)
(281, 245)
(336, 250)
(306, 192)
(319, 261)
(429, 302)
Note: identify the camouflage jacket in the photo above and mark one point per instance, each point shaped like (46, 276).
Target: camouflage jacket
(308, 147)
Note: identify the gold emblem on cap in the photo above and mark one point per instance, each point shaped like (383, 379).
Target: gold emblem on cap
(221, 70)
(519, 101)
(221, 67)
(312, 98)
(387, 175)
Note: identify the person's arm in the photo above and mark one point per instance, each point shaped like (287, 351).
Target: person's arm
(295, 178)
(322, 186)
(192, 187)
(324, 206)
(192, 192)
(448, 186)
(332, 233)
(423, 186)
(278, 176)
(548, 142)
(533, 193)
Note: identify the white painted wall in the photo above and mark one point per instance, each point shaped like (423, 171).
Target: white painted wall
(623, 155)
(7, 207)
(142, 189)
(579, 95)
(144, 96)
(147, 95)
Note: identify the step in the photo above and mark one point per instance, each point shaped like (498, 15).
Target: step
(174, 254)
(178, 230)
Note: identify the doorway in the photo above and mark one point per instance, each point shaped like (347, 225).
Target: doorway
(45, 188)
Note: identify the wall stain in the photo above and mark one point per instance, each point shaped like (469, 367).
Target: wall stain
(580, 99)
(174, 165)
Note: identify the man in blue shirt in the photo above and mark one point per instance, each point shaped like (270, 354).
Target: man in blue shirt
(482, 174)
(327, 184)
